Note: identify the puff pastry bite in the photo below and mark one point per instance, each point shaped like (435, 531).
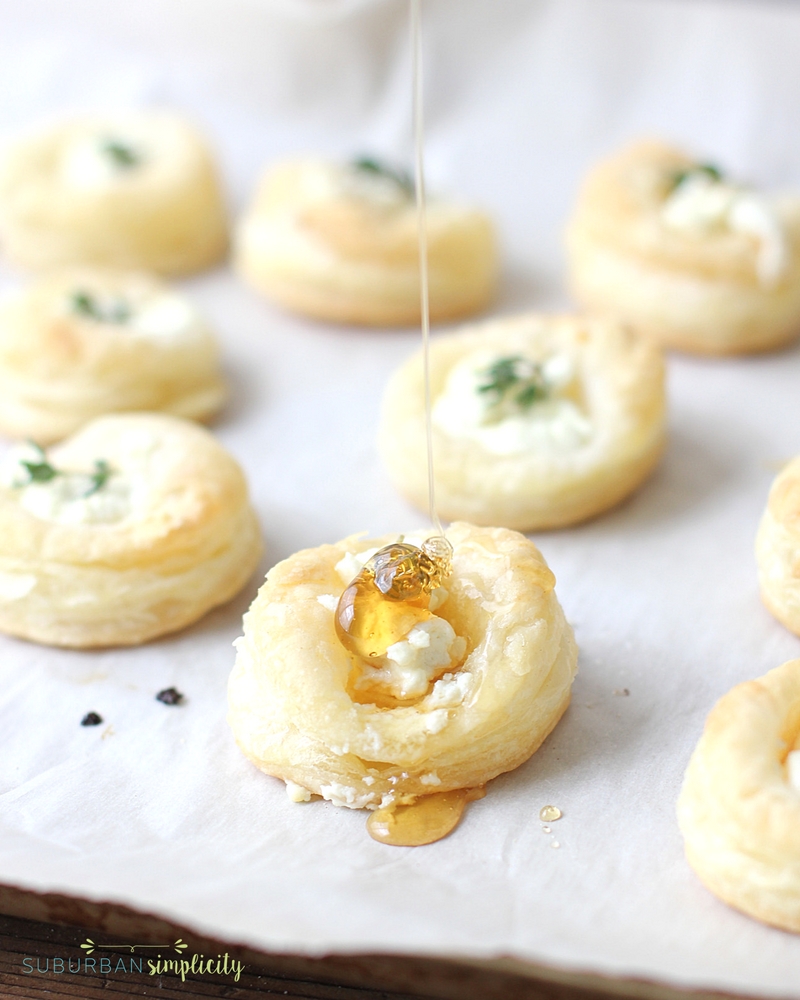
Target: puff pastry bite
(134, 527)
(698, 262)
(739, 809)
(538, 421)
(137, 190)
(87, 341)
(471, 691)
(339, 242)
(778, 548)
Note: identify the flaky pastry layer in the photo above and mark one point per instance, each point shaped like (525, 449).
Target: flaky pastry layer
(340, 258)
(694, 292)
(292, 714)
(737, 811)
(166, 214)
(778, 548)
(621, 378)
(189, 542)
(59, 369)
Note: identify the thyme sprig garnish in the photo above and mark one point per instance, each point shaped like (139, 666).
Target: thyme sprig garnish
(122, 155)
(709, 169)
(514, 379)
(100, 476)
(369, 165)
(86, 304)
(40, 470)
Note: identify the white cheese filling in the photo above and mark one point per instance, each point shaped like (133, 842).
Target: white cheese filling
(427, 649)
(166, 317)
(331, 181)
(163, 317)
(87, 162)
(554, 424)
(297, 793)
(70, 497)
(702, 204)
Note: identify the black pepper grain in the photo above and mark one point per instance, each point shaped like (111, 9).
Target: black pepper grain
(91, 719)
(170, 696)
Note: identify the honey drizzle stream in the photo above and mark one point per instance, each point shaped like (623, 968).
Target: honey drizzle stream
(422, 235)
(431, 817)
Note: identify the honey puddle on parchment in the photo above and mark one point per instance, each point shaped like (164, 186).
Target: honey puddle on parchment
(428, 819)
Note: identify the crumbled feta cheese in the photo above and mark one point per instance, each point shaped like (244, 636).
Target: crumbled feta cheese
(450, 690)
(67, 498)
(351, 564)
(553, 424)
(297, 793)
(411, 664)
(436, 721)
(87, 163)
(702, 203)
(347, 796)
(163, 317)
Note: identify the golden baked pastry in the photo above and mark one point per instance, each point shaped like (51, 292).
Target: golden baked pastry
(86, 341)
(340, 243)
(137, 190)
(699, 263)
(778, 548)
(538, 421)
(739, 809)
(134, 527)
(474, 699)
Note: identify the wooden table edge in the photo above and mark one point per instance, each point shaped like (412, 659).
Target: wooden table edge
(395, 975)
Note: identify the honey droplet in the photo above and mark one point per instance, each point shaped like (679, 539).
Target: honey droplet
(390, 596)
(555, 844)
(546, 829)
(429, 818)
(549, 814)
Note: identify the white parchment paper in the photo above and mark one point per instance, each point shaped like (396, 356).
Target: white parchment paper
(156, 808)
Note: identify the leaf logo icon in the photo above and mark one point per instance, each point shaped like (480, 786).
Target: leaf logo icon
(88, 946)
(180, 946)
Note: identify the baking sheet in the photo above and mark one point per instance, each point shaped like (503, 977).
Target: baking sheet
(156, 808)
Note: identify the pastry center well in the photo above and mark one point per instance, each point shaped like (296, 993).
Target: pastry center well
(512, 404)
(386, 618)
(96, 496)
(701, 202)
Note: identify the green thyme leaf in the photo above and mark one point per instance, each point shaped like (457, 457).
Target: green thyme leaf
(502, 375)
(100, 476)
(516, 379)
(40, 472)
(681, 176)
(122, 155)
(85, 304)
(401, 178)
(528, 396)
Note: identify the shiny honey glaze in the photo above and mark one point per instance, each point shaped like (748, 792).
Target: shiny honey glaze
(429, 818)
(391, 595)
